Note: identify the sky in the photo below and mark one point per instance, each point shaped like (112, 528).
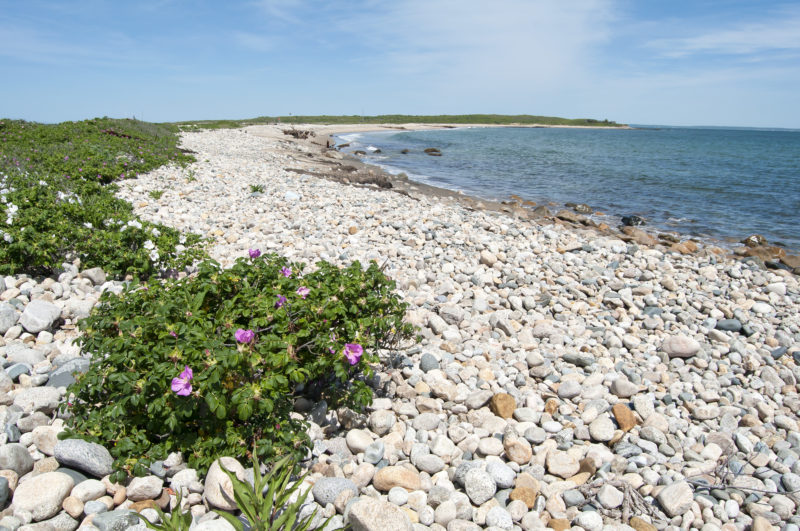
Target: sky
(681, 62)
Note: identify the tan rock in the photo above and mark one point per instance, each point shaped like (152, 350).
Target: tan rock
(517, 449)
(396, 476)
(503, 405)
(140, 506)
(559, 524)
(580, 478)
(120, 496)
(551, 406)
(73, 506)
(761, 524)
(526, 495)
(48, 464)
(624, 416)
(526, 480)
(640, 525)
(12, 477)
(562, 464)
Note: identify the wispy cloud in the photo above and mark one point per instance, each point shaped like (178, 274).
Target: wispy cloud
(254, 41)
(776, 32)
(472, 43)
(284, 10)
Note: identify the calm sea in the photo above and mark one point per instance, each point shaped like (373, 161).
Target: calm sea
(716, 183)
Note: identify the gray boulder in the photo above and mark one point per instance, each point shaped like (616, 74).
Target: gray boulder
(84, 456)
(8, 317)
(39, 315)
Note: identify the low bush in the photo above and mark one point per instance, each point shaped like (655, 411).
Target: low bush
(55, 207)
(211, 364)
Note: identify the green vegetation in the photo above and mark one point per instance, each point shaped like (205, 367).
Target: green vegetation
(57, 202)
(266, 503)
(156, 194)
(212, 363)
(503, 119)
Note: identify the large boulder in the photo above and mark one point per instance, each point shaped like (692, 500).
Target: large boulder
(84, 456)
(43, 495)
(39, 315)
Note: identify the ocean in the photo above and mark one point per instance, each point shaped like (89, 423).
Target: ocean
(717, 184)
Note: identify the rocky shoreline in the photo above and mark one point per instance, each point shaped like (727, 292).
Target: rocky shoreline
(567, 378)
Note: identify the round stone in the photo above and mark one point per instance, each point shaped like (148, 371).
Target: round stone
(602, 429)
(326, 489)
(569, 389)
(479, 485)
(501, 473)
(398, 495)
(589, 520)
(499, 517)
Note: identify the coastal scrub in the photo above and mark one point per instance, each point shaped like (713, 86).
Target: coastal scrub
(211, 364)
(56, 203)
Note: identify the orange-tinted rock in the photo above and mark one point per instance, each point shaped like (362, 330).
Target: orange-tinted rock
(580, 478)
(639, 236)
(624, 416)
(139, 506)
(396, 476)
(766, 252)
(551, 406)
(559, 524)
(640, 525)
(525, 494)
(503, 405)
(791, 261)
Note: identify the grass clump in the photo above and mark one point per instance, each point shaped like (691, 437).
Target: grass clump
(57, 199)
(211, 364)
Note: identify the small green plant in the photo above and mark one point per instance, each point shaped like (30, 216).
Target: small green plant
(266, 504)
(156, 194)
(256, 188)
(211, 364)
(177, 520)
(191, 175)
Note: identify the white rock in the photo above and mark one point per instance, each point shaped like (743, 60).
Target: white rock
(43, 495)
(218, 490)
(144, 488)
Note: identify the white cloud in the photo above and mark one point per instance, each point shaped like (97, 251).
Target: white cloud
(778, 31)
(254, 41)
(473, 44)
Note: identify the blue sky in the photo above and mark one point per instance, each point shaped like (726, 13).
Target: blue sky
(725, 62)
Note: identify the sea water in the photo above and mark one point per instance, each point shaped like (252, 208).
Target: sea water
(710, 183)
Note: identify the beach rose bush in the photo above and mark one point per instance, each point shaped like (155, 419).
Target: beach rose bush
(55, 207)
(212, 364)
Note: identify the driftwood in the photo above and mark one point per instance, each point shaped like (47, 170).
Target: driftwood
(633, 504)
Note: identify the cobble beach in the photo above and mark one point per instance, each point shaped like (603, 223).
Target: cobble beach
(567, 377)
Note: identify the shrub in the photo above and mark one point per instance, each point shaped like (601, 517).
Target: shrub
(49, 220)
(55, 208)
(210, 364)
